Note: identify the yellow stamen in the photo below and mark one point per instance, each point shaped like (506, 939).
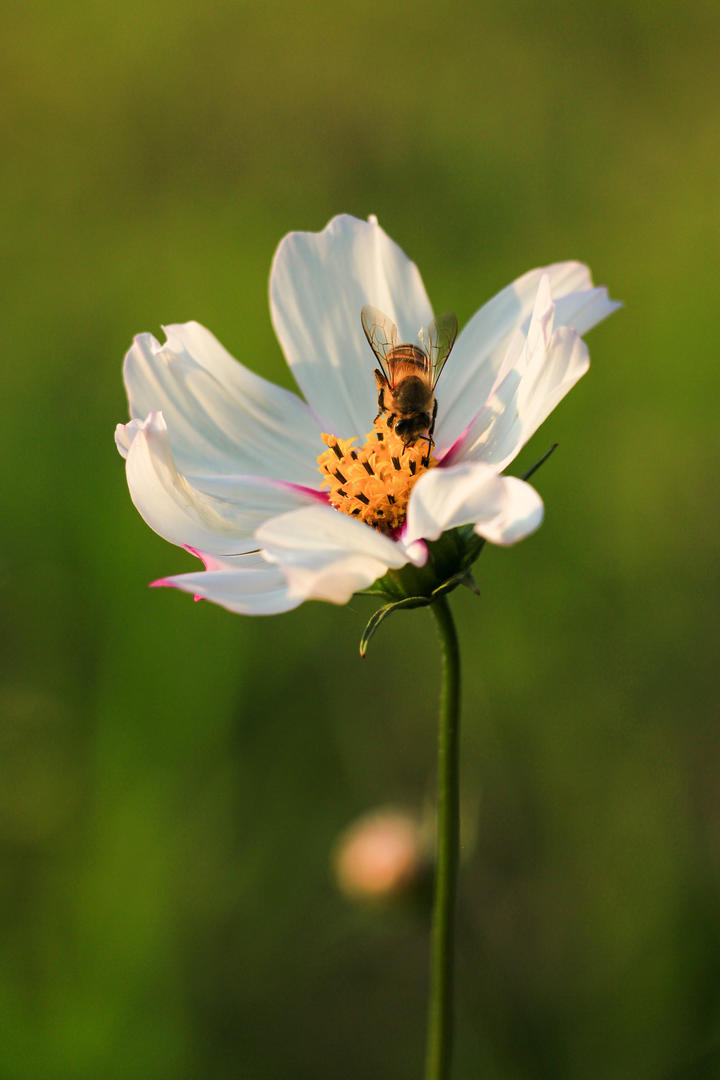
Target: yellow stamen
(373, 482)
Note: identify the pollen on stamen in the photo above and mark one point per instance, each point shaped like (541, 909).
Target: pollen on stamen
(373, 482)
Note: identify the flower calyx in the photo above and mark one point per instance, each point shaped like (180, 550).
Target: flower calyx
(448, 566)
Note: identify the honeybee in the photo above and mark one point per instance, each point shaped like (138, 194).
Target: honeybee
(408, 374)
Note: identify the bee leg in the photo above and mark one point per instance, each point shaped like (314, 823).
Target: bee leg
(381, 383)
(429, 436)
(381, 404)
(431, 443)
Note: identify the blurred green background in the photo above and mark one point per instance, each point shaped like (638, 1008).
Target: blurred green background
(173, 776)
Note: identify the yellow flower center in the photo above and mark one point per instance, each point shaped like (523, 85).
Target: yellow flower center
(373, 482)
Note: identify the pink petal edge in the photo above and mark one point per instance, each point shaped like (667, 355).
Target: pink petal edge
(321, 496)
(205, 559)
(454, 452)
(165, 582)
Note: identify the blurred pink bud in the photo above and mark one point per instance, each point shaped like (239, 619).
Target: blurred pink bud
(381, 855)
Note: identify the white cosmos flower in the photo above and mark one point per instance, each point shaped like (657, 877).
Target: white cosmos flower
(225, 464)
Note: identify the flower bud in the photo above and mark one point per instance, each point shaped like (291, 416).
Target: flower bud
(380, 856)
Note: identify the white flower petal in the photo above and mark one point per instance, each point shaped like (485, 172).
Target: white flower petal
(446, 497)
(326, 555)
(222, 418)
(124, 435)
(262, 591)
(503, 509)
(249, 560)
(178, 510)
(521, 515)
(473, 367)
(318, 286)
(536, 374)
(583, 310)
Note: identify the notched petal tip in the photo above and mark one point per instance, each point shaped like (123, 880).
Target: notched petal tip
(319, 283)
(125, 433)
(123, 438)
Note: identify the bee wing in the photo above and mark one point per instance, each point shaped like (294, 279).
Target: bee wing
(382, 335)
(436, 340)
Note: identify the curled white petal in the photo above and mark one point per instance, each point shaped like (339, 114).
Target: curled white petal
(478, 355)
(503, 509)
(585, 309)
(521, 514)
(250, 590)
(222, 418)
(539, 368)
(325, 555)
(318, 286)
(176, 507)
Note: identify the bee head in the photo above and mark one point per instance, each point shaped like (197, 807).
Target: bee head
(409, 428)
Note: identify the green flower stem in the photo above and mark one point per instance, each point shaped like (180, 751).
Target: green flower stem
(439, 1045)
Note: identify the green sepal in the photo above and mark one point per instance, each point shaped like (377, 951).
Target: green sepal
(378, 588)
(382, 613)
(534, 468)
(463, 577)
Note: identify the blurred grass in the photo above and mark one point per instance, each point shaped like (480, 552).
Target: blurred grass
(174, 776)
